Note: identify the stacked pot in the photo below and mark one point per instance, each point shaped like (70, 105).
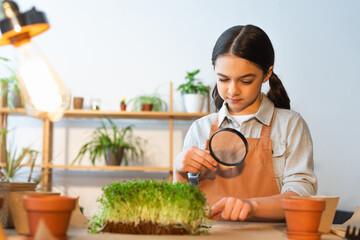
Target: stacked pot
(303, 217)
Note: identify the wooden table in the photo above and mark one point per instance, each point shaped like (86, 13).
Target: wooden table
(219, 231)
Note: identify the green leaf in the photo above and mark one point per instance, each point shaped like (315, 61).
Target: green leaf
(14, 161)
(193, 85)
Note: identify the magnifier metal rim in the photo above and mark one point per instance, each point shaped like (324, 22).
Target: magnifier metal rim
(237, 133)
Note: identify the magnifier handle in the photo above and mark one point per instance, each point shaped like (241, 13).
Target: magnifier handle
(193, 179)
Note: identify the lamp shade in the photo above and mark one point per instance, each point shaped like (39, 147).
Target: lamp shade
(45, 95)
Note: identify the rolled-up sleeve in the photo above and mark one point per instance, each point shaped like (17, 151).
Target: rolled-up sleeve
(191, 138)
(298, 175)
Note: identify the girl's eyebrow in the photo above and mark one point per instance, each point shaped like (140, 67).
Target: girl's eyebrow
(244, 76)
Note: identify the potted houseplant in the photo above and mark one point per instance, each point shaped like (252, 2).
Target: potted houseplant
(123, 104)
(148, 102)
(113, 146)
(193, 92)
(9, 173)
(150, 207)
(10, 91)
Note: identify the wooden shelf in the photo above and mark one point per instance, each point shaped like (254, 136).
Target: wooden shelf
(48, 135)
(84, 167)
(115, 114)
(122, 168)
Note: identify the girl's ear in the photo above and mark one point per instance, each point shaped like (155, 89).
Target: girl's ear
(268, 74)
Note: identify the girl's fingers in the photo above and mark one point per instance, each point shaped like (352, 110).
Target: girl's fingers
(193, 164)
(206, 158)
(229, 206)
(191, 170)
(236, 210)
(217, 208)
(217, 216)
(198, 158)
(245, 211)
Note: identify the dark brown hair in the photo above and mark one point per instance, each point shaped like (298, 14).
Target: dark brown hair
(253, 44)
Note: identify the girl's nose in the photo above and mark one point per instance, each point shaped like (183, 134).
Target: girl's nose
(233, 89)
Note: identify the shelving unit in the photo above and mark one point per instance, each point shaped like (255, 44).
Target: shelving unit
(48, 134)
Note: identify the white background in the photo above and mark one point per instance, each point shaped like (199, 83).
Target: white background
(117, 48)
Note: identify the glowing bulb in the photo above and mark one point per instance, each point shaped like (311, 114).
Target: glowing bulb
(17, 28)
(44, 93)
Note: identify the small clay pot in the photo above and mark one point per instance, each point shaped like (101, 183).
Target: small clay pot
(328, 214)
(147, 107)
(18, 212)
(78, 102)
(55, 211)
(303, 215)
(123, 107)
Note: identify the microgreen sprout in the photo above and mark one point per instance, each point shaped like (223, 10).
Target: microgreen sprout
(163, 203)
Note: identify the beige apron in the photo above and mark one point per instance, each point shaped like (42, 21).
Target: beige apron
(254, 177)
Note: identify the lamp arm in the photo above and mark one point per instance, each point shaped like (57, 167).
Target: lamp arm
(9, 9)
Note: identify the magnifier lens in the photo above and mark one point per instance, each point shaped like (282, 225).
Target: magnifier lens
(228, 147)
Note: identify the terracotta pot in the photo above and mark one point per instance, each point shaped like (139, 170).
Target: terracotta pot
(114, 159)
(328, 214)
(18, 211)
(55, 211)
(303, 215)
(123, 107)
(147, 107)
(303, 235)
(78, 102)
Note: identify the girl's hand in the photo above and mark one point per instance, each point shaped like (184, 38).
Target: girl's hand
(233, 208)
(195, 160)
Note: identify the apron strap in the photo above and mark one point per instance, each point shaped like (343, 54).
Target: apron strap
(266, 130)
(213, 128)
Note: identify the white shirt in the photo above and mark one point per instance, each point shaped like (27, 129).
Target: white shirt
(241, 118)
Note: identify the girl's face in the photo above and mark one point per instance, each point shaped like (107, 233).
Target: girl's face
(239, 84)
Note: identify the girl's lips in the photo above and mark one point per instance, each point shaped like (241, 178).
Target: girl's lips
(234, 100)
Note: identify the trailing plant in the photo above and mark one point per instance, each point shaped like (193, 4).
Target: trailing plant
(8, 80)
(163, 203)
(193, 85)
(102, 139)
(154, 99)
(15, 161)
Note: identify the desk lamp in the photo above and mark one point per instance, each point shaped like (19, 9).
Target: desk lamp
(45, 95)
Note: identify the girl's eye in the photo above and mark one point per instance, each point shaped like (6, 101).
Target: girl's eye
(247, 82)
(223, 79)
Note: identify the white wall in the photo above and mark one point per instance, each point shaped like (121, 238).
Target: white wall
(116, 48)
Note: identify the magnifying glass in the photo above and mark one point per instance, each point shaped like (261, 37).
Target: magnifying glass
(228, 147)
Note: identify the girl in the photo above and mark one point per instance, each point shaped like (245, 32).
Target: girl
(279, 163)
